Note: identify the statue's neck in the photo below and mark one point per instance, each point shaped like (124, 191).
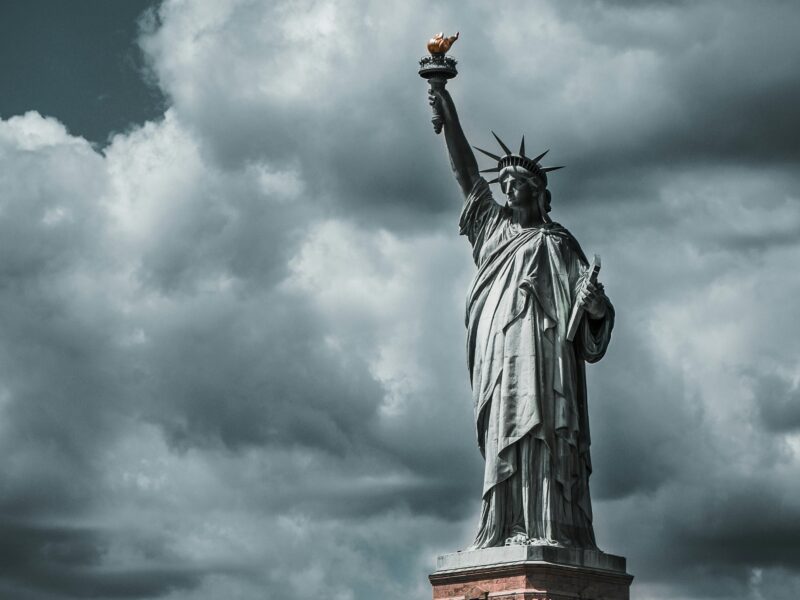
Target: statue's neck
(527, 216)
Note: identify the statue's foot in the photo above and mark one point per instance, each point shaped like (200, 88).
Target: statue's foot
(545, 542)
(519, 539)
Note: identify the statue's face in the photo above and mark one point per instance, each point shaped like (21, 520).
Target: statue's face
(522, 189)
(518, 190)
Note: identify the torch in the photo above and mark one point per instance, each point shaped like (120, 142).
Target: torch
(437, 69)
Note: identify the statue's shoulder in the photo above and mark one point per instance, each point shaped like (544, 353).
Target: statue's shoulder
(558, 229)
(572, 243)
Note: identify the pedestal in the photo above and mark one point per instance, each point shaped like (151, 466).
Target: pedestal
(530, 573)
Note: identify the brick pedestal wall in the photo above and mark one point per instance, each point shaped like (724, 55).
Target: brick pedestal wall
(530, 581)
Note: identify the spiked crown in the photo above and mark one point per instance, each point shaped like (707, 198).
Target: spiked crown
(509, 159)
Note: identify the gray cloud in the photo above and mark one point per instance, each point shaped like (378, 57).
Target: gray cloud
(232, 341)
(779, 403)
(67, 562)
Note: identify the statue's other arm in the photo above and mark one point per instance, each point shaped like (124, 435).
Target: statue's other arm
(597, 323)
(462, 159)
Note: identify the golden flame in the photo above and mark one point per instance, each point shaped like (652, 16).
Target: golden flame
(439, 44)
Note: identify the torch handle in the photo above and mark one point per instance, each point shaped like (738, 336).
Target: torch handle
(437, 119)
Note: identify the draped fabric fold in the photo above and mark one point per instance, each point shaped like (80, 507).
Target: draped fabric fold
(528, 381)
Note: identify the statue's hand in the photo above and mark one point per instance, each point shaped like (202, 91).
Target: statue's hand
(435, 99)
(594, 301)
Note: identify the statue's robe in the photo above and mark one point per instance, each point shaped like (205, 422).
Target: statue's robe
(528, 381)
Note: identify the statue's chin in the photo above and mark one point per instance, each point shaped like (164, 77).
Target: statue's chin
(514, 204)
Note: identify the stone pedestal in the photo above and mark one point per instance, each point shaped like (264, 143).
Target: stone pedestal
(530, 573)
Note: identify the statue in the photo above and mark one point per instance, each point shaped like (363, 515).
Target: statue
(535, 315)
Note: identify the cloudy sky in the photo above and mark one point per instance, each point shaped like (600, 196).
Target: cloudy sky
(232, 289)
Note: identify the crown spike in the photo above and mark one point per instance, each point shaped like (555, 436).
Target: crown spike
(492, 170)
(538, 158)
(505, 148)
(522, 147)
(495, 180)
(487, 153)
(548, 169)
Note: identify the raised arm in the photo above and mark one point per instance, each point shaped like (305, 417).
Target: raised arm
(462, 159)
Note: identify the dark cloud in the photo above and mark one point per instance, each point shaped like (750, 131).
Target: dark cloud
(778, 403)
(636, 423)
(226, 387)
(67, 562)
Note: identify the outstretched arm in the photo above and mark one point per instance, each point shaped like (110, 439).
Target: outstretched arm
(462, 159)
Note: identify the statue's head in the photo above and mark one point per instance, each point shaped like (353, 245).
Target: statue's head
(523, 187)
(522, 179)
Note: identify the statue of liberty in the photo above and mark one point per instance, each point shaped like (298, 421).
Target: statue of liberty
(534, 315)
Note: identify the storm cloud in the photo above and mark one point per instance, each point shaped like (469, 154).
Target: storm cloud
(231, 336)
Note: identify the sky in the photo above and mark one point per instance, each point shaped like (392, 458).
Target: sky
(232, 289)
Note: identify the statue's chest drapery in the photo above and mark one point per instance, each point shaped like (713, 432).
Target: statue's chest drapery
(523, 371)
(519, 267)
